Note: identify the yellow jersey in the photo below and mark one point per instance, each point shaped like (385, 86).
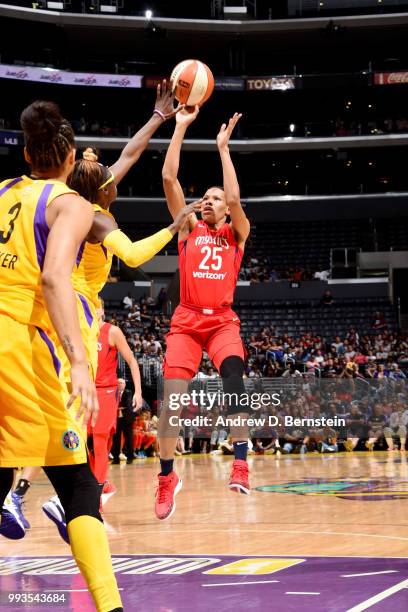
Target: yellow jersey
(23, 239)
(92, 268)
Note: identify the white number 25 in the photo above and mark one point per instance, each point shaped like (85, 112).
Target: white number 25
(214, 254)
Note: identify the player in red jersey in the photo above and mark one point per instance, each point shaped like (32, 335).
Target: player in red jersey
(210, 255)
(111, 341)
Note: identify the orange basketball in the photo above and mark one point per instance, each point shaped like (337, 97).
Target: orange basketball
(193, 82)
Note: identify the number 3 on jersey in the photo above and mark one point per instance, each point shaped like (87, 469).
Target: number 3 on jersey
(216, 259)
(14, 211)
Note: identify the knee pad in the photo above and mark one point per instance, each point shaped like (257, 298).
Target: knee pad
(232, 366)
(232, 370)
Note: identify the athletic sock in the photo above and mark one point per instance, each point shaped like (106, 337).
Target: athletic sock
(90, 548)
(166, 466)
(22, 487)
(241, 450)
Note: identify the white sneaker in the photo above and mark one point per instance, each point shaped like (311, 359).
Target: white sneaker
(11, 525)
(55, 512)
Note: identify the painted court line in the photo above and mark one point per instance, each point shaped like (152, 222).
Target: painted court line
(301, 593)
(383, 595)
(291, 531)
(216, 584)
(70, 590)
(370, 574)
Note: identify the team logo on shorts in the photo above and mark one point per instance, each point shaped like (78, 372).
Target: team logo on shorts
(70, 440)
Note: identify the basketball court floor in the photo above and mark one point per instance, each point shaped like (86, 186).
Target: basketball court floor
(317, 533)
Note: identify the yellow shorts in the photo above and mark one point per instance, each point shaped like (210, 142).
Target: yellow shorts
(36, 429)
(88, 323)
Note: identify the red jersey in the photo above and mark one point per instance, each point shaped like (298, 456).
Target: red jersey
(107, 360)
(209, 264)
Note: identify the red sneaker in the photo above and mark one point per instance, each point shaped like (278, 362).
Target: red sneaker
(108, 490)
(239, 477)
(167, 490)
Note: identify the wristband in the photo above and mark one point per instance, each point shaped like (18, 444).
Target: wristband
(158, 112)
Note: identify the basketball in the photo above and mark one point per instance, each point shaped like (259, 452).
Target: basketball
(193, 82)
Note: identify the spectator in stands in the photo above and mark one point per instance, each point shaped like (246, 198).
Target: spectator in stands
(379, 321)
(337, 344)
(144, 436)
(291, 372)
(328, 443)
(134, 314)
(124, 425)
(127, 301)
(356, 427)
(397, 427)
(144, 314)
(380, 371)
(326, 299)
(376, 423)
(161, 298)
(255, 371)
(396, 373)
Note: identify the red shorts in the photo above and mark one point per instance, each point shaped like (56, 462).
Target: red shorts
(108, 410)
(191, 332)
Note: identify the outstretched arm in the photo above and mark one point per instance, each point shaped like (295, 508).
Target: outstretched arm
(172, 188)
(134, 254)
(117, 338)
(239, 222)
(135, 147)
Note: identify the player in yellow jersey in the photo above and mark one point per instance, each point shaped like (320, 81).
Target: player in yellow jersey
(42, 224)
(97, 183)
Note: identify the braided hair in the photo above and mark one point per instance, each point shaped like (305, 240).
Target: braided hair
(49, 137)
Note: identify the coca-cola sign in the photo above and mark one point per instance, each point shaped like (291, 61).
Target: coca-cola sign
(390, 78)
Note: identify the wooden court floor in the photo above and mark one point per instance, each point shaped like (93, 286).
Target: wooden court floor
(318, 533)
(341, 504)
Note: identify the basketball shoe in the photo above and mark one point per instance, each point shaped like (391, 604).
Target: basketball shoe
(54, 510)
(239, 481)
(107, 491)
(11, 526)
(18, 502)
(166, 492)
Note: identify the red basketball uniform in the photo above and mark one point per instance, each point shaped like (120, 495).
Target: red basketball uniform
(106, 383)
(209, 264)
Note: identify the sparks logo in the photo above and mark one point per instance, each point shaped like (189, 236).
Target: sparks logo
(70, 440)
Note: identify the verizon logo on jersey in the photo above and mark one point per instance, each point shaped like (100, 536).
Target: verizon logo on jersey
(210, 275)
(217, 240)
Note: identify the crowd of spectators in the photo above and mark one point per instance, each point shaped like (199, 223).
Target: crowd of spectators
(375, 355)
(360, 378)
(261, 270)
(85, 126)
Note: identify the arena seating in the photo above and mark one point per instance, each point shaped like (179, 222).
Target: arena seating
(296, 318)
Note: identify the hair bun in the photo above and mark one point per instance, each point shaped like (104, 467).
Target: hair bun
(41, 120)
(90, 154)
